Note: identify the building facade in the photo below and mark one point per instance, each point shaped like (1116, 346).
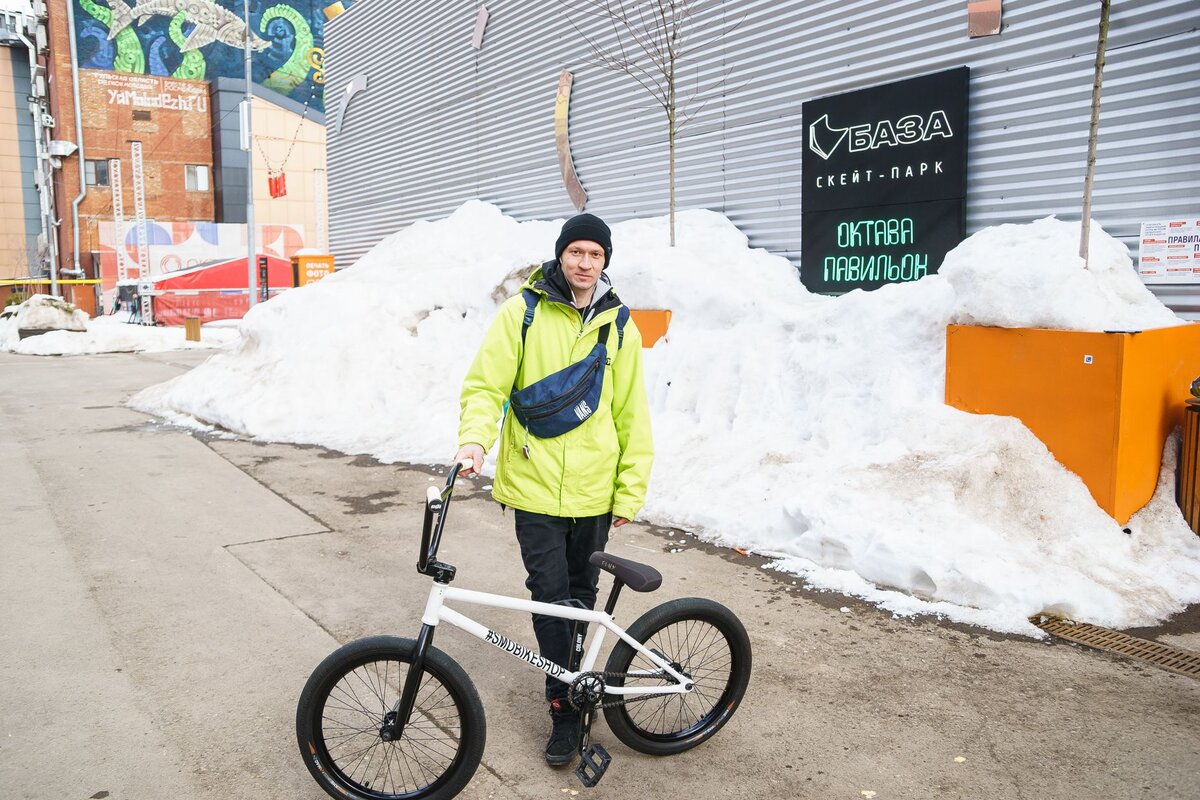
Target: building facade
(160, 76)
(442, 120)
(20, 215)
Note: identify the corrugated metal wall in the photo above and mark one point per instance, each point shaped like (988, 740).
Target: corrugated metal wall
(441, 122)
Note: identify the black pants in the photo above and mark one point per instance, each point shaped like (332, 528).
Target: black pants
(556, 552)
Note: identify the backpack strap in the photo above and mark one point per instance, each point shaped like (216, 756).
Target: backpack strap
(531, 301)
(622, 318)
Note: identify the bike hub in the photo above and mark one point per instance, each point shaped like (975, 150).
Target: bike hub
(387, 732)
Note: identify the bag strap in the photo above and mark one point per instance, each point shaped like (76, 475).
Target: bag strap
(531, 301)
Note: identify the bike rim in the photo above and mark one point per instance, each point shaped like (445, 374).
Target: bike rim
(412, 766)
(702, 650)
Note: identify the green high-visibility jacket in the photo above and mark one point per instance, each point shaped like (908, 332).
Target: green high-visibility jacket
(604, 464)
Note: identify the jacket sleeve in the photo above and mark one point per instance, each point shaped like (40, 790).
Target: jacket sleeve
(490, 378)
(631, 414)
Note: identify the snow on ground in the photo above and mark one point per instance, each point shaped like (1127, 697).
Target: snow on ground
(44, 313)
(103, 335)
(808, 428)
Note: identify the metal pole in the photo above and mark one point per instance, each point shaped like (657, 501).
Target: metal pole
(251, 284)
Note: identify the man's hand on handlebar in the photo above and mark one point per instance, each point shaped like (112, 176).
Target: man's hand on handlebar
(474, 452)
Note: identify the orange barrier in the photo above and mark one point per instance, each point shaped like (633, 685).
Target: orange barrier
(1103, 403)
(652, 324)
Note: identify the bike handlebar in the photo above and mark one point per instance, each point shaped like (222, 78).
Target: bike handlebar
(437, 503)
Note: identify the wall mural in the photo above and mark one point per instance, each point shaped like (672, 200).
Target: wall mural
(173, 246)
(203, 39)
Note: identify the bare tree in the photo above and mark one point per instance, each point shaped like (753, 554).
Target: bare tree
(1086, 222)
(651, 40)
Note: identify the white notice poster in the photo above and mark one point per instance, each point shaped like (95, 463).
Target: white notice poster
(1170, 251)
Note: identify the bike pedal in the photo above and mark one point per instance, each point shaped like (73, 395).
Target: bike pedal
(593, 761)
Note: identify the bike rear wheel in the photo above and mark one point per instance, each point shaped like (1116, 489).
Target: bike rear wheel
(342, 709)
(700, 638)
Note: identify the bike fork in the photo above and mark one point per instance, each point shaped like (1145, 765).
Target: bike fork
(395, 720)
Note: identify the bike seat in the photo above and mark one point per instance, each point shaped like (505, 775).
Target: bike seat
(639, 577)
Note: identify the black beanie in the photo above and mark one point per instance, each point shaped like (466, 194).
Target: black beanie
(585, 228)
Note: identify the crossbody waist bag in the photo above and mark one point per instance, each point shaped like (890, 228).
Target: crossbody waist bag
(564, 400)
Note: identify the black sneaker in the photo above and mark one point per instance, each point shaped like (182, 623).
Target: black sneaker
(563, 746)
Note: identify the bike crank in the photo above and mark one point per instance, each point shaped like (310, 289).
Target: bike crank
(586, 696)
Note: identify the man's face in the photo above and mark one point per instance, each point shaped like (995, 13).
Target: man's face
(582, 262)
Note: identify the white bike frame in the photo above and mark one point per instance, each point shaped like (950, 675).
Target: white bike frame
(436, 611)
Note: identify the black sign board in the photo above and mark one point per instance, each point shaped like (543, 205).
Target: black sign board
(864, 248)
(883, 156)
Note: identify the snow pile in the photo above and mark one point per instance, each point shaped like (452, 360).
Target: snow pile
(1043, 284)
(89, 336)
(808, 428)
(45, 313)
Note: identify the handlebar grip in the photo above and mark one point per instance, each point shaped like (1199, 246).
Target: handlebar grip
(433, 497)
(467, 463)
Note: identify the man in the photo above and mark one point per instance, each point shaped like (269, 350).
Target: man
(566, 490)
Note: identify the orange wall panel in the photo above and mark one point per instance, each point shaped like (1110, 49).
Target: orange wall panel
(652, 324)
(1103, 403)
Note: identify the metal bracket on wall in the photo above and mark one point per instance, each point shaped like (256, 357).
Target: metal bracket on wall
(983, 18)
(481, 21)
(562, 110)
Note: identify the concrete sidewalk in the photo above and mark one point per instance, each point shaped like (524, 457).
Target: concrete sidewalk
(166, 596)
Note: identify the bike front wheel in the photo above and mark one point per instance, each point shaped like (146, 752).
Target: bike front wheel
(341, 713)
(701, 639)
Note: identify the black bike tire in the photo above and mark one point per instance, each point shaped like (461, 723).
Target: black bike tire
(684, 610)
(343, 661)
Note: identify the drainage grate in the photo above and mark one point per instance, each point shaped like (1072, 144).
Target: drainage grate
(1176, 659)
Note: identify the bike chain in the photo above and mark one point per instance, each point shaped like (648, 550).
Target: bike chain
(577, 688)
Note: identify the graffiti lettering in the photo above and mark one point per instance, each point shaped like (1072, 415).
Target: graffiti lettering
(132, 97)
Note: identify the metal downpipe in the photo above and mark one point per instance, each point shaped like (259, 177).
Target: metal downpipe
(78, 136)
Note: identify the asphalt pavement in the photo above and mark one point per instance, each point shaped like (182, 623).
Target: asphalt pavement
(166, 594)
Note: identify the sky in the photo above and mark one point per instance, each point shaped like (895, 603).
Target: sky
(806, 428)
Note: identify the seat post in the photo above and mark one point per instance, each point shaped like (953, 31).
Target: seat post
(613, 595)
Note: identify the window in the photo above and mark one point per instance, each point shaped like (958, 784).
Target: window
(196, 177)
(96, 172)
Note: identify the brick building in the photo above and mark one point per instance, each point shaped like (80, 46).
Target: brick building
(133, 86)
(172, 121)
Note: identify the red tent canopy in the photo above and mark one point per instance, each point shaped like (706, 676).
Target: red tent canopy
(213, 291)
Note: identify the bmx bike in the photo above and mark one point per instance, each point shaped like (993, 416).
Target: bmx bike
(389, 717)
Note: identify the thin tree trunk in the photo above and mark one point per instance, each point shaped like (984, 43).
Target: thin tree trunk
(671, 148)
(1086, 222)
(671, 176)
